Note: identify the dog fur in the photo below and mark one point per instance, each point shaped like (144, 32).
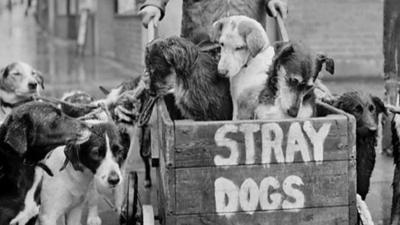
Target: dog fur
(94, 162)
(246, 55)
(178, 66)
(292, 78)
(18, 83)
(395, 128)
(366, 109)
(27, 135)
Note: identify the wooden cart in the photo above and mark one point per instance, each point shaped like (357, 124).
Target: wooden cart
(291, 171)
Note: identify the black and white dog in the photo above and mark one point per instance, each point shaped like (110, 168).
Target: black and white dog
(26, 136)
(292, 79)
(89, 166)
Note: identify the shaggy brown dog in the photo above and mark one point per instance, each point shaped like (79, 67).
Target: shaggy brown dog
(365, 108)
(177, 65)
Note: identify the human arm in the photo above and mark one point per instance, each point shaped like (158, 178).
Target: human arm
(152, 10)
(273, 6)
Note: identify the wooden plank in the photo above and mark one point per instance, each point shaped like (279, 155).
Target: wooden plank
(196, 143)
(313, 216)
(199, 190)
(167, 174)
(352, 170)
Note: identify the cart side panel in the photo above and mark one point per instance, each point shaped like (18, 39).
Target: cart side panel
(278, 187)
(312, 216)
(199, 145)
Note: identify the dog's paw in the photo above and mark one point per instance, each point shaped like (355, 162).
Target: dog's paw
(94, 220)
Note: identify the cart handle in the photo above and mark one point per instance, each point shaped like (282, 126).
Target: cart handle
(282, 28)
(150, 31)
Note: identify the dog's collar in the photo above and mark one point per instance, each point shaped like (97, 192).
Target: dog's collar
(13, 105)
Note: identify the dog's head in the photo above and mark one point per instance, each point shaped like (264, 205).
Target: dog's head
(241, 38)
(293, 73)
(21, 80)
(364, 107)
(103, 154)
(167, 58)
(35, 128)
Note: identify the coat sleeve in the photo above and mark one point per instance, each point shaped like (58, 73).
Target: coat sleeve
(161, 4)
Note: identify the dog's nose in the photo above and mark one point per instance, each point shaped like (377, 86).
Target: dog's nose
(32, 86)
(113, 178)
(223, 71)
(293, 111)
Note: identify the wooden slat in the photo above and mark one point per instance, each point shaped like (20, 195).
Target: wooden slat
(325, 184)
(167, 173)
(313, 216)
(195, 142)
(352, 170)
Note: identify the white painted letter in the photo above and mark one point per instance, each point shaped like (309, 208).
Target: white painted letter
(249, 130)
(232, 145)
(276, 198)
(271, 137)
(296, 142)
(289, 190)
(248, 196)
(224, 187)
(317, 138)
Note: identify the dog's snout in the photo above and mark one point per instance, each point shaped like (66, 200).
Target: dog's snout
(32, 85)
(223, 71)
(113, 178)
(293, 111)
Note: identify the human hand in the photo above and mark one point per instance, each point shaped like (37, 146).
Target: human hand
(149, 13)
(276, 6)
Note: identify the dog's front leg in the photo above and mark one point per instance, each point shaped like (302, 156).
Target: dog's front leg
(93, 200)
(74, 216)
(235, 110)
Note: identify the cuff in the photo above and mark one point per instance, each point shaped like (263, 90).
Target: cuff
(161, 4)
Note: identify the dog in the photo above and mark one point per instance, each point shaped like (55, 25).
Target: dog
(292, 78)
(27, 135)
(94, 162)
(18, 83)
(177, 66)
(246, 55)
(366, 109)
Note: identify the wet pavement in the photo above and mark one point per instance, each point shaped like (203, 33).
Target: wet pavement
(22, 40)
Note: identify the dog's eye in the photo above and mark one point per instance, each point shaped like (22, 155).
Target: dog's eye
(359, 109)
(16, 74)
(240, 48)
(293, 81)
(371, 108)
(222, 44)
(94, 152)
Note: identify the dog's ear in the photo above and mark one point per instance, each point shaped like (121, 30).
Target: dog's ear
(218, 26)
(283, 49)
(39, 78)
(17, 133)
(254, 37)
(104, 90)
(329, 64)
(71, 152)
(380, 106)
(5, 71)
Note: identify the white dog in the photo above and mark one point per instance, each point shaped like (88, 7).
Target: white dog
(97, 161)
(246, 56)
